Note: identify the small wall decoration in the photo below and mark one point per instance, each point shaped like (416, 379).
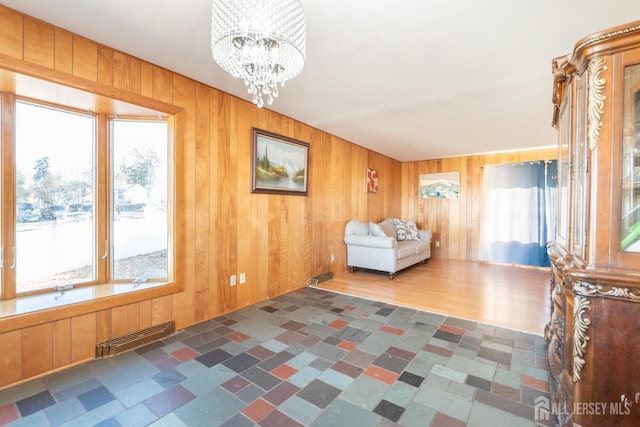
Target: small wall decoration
(440, 185)
(371, 180)
(279, 164)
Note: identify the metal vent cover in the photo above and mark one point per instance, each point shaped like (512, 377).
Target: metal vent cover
(135, 339)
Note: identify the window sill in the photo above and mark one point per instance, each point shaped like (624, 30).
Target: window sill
(36, 309)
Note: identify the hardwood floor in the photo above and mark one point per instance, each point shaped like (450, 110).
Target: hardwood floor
(508, 296)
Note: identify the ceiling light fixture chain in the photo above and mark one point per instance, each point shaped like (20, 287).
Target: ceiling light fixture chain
(261, 42)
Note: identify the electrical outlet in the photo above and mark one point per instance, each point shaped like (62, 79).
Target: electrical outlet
(333, 258)
(437, 243)
(243, 278)
(232, 280)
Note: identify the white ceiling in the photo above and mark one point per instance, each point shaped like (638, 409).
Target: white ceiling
(411, 79)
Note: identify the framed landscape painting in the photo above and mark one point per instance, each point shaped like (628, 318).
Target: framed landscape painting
(280, 165)
(440, 185)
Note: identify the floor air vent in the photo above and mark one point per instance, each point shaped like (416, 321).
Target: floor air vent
(136, 339)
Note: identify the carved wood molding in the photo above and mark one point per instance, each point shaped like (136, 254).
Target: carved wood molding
(596, 97)
(603, 37)
(580, 337)
(589, 289)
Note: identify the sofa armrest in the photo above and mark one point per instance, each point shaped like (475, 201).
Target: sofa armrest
(371, 241)
(425, 235)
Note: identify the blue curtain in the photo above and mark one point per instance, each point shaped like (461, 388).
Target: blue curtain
(519, 212)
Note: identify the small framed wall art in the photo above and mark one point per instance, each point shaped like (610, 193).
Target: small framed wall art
(371, 181)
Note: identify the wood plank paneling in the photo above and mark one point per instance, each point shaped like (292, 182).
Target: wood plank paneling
(38, 42)
(455, 223)
(11, 358)
(11, 33)
(37, 350)
(61, 343)
(63, 54)
(85, 58)
(83, 337)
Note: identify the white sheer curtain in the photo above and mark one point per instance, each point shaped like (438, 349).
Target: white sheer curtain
(518, 212)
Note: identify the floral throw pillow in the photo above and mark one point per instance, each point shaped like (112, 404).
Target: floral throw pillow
(406, 229)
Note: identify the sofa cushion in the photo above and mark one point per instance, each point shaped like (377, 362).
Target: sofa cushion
(421, 246)
(406, 249)
(376, 230)
(389, 228)
(359, 228)
(406, 230)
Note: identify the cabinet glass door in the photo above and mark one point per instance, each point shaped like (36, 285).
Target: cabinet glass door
(630, 200)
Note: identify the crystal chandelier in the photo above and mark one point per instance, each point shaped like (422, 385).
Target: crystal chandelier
(259, 41)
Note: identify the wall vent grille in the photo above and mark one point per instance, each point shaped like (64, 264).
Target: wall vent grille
(133, 340)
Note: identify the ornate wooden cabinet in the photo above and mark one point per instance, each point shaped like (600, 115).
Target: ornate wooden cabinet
(594, 329)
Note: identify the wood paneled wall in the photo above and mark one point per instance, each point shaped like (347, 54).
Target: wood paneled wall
(455, 223)
(278, 241)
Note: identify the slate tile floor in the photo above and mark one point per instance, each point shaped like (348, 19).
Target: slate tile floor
(308, 358)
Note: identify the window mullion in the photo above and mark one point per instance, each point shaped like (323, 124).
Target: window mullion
(102, 200)
(8, 201)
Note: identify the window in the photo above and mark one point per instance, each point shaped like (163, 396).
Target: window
(54, 189)
(139, 171)
(91, 192)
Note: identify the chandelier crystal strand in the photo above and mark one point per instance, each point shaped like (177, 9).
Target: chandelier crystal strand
(261, 42)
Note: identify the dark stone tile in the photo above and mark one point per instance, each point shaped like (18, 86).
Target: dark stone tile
(389, 410)
(411, 379)
(212, 345)
(169, 400)
(385, 311)
(223, 330)
(95, 398)
(269, 309)
(391, 363)
(310, 341)
(347, 369)
(319, 393)
(529, 395)
(504, 404)
(292, 325)
(332, 340)
(280, 393)
(276, 360)
(238, 420)
(447, 336)
(261, 352)
(262, 379)
(320, 364)
(336, 310)
(199, 340)
(469, 325)
(214, 357)
(289, 338)
(352, 334)
(35, 403)
(278, 419)
(403, 354)
(495, 355)
(228, 322)
(478, 382)
(241, 362)
(359, 358)
(499, 340)
(470, 343)
(168, 378)
(109, 422)
(235, 384)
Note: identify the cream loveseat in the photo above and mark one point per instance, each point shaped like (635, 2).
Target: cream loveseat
(388, 246)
